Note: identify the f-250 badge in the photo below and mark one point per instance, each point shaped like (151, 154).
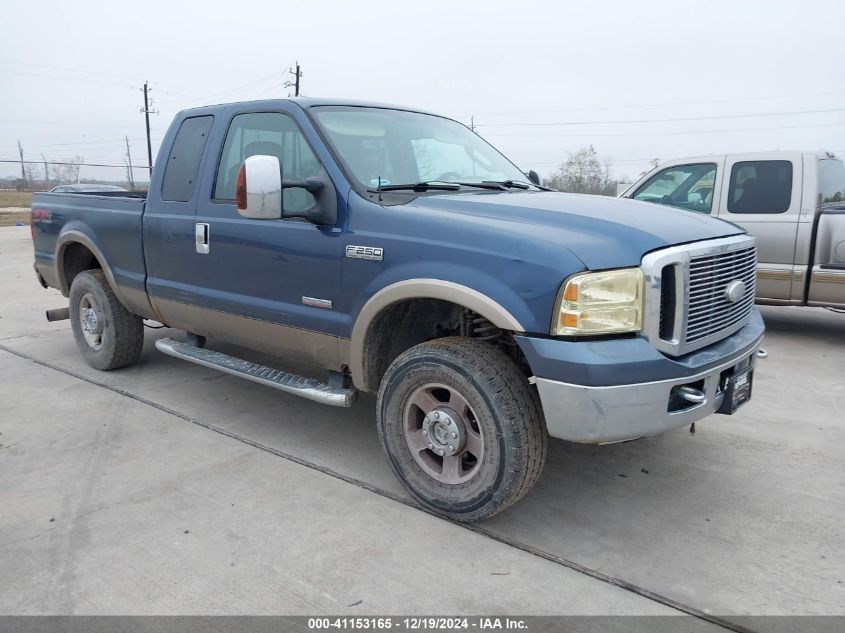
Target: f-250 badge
(365, 252)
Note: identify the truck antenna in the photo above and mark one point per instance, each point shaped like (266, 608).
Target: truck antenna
(378, 189)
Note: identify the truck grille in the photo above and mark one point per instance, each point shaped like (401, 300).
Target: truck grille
(698, 293)
(710, 311)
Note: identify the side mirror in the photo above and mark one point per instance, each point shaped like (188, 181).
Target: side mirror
(258, 193)
(258, 188)
(534, 177)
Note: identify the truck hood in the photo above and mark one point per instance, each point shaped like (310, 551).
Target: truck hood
(603, 232)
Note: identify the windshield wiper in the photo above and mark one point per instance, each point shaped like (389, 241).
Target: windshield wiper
(511, 184)
(482, 185)
(440, 185)
(427, 185)
(519, 184)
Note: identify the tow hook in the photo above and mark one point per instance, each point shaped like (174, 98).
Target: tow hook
(761, 353)
(690, 394)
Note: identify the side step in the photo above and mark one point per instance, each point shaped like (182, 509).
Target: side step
(308, 388)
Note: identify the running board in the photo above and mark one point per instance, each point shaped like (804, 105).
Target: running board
(308, 388)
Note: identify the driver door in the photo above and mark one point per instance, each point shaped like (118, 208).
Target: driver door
(269, 285)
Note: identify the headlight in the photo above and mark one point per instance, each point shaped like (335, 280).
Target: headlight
(608, 302)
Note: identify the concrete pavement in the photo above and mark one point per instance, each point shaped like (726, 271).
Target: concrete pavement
(743, 518)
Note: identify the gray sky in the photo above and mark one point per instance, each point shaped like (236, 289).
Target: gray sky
(71, 71)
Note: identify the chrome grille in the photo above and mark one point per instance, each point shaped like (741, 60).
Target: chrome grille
(686, 303)
(710, 311)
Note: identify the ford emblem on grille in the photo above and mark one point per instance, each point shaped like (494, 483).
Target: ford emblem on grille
(735, 290)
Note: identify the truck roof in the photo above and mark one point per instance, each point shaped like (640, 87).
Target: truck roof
(751, 155)
(309, 102)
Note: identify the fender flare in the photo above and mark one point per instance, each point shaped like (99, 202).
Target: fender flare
(422, 289)
(74, 236)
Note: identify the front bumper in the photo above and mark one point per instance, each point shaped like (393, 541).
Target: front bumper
(605, 413)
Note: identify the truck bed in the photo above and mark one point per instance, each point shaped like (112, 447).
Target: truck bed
(111, 229)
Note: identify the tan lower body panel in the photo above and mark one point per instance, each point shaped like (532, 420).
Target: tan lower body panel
(774, 283)
(827, 288)
(300, 347)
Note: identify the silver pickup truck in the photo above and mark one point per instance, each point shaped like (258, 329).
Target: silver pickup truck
(792, 202)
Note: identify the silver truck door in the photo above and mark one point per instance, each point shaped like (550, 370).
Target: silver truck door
(762, 194)
(827, 280)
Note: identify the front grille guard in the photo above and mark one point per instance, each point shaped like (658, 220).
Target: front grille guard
(655, 267)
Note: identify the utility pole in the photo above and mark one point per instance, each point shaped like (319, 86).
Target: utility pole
(295, 83)
(23, 171)
(129, 175)
(46, 173)
(146, 111)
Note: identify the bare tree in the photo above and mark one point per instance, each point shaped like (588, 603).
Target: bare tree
(74, 167)
(583, 172)
(67, 171)
(31, 174)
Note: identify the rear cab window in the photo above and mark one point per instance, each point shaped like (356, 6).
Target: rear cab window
(180, 173)
(831, 182)
(688, 187)
(760, 187)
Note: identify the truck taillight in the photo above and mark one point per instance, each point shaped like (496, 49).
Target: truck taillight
(240, 188)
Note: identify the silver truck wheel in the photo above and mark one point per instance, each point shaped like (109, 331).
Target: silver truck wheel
(462, 428)
(107, 334)
(447, 443)
(91, 321)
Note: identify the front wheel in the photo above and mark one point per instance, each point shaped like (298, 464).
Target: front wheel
(107, 334)
(462, 428)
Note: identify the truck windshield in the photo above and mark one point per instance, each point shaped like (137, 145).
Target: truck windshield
(394, 147)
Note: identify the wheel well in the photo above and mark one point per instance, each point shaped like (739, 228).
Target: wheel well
(409, 322)
(76, 258)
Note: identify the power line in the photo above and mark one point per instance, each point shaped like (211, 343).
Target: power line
(68, 69)
(657, 133)
(29, 73)
(97, 144)
(667, 120)
(71, 123)
(221, 93)
(663, 105)
(56, 162)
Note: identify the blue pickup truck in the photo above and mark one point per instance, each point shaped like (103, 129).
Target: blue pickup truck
(386, 250)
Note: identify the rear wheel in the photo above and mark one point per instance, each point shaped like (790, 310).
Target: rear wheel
(463, 429)
(107, 334)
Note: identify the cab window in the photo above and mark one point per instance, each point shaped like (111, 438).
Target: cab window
(831, 182)
(688, 187)
(760, 186)
(180, 172)
(269, 134)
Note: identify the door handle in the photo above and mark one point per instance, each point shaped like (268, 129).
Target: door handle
(201, 237)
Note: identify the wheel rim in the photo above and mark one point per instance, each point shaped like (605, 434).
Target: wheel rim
(91, 321)
(443, 434)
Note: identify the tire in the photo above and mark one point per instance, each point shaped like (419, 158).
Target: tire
(113, 337)
(489, 424)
